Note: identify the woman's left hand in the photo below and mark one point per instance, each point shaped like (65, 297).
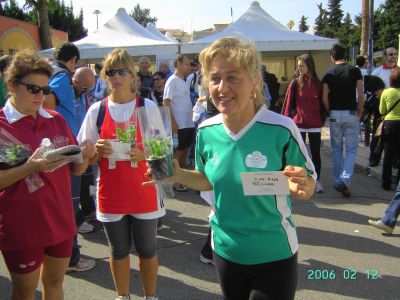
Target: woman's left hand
(136, 154)
(301, 185)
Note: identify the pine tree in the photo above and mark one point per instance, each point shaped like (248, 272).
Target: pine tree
(321, 22)
(303, 27)
(335, 17)
(142, 16)
(346, 32)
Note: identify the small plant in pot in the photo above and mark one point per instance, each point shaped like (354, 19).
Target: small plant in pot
(159, 155)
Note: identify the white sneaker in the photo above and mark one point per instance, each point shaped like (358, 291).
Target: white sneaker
(86, 228)
(123, 298)
(319, 188)
(380, 225)
(150, 298)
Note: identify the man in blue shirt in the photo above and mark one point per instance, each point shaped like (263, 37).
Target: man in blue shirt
(61, 99)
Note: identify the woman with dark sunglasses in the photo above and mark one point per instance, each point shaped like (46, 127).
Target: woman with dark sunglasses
(36, 220)
(128, 211)
(158, 88)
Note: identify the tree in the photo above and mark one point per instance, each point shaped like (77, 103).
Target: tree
(364, 27)
(303, 27)
(290, 24)
(346, 33)
(335, 17)
(321, 22)
(12, 10)
(43, 21)
(142, 16)
(387, 25)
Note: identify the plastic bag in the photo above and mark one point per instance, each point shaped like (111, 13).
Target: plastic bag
(14, 153)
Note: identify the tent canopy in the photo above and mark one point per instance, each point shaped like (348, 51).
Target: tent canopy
(265, 32)
(150, 27)
(121, 31)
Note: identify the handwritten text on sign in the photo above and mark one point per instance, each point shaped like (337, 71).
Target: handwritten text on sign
(264, 183)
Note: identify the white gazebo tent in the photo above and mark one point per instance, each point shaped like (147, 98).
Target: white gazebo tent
(279, 45)
(150, 27)
(121, 31)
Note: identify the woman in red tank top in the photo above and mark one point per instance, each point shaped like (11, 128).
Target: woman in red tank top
(126, 208)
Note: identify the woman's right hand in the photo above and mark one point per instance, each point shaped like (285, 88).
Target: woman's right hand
(38, 164)
(103, 148)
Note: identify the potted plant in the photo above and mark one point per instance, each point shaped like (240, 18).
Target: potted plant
(155, 126)
(159, 155)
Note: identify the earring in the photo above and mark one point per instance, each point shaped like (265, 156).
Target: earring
(253, 95)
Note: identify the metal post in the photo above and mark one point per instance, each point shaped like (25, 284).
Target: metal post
(367, 130)
(97, 12)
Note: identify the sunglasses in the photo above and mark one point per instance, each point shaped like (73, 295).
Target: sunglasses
(157, 78)
(35, 89)
(120, 72)
(392, 54)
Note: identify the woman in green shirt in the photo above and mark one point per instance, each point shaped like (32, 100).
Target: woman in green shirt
(391, 127)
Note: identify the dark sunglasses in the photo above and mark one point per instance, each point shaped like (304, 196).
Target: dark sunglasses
(392, 54)
(35, 89)
(157, 78)
(120, 72)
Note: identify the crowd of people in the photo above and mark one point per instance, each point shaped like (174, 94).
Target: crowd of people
(221, 102)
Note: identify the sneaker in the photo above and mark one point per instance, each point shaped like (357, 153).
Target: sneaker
(150, 298)
(341, 187)
(86, 228)
(123, 298)
(380, 225)
(206, 260)
(83, 265)
(319, 188)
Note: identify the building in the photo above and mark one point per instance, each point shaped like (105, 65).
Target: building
(17, 35)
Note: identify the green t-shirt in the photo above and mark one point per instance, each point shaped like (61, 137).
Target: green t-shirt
(3, 92)
(388, 98)
(250, 229)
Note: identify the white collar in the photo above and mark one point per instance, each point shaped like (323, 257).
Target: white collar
(13, 115)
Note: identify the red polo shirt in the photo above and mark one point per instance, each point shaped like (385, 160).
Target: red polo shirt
(44, 217)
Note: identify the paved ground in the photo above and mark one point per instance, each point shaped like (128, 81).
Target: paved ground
(340, 256)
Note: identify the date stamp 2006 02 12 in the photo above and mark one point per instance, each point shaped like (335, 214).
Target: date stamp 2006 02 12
(346, 274)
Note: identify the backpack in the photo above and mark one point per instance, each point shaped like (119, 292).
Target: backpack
(102, 111)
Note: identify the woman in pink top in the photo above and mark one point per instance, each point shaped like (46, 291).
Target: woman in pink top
(36, 216)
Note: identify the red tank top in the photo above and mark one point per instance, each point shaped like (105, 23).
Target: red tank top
(120, 189)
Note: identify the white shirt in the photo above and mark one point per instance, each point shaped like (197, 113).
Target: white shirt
(89, 131)
(383, 74)
(177, 90)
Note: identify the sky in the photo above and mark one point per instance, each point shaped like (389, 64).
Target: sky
(202, 14)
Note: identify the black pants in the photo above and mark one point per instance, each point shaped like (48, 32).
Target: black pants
(314, 139)
(86, 200)
(268, 281)
(391, 138)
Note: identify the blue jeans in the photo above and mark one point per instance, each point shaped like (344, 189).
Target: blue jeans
(344, 129)
(393, 210)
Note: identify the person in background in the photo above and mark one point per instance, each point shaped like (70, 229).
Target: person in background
(36, 221)
(100, 89)
(391, 127)
(158, 88)
(341, 83)
(254, 237)
(384, 71)
(177, 96)
(145, 77)
(165, 69)
(84, 81)
(392, 212)
(273, 86)
(361, 63)
(303, 104)
(128, 211)
(4, 60)
(61, 99)
(373, 87)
